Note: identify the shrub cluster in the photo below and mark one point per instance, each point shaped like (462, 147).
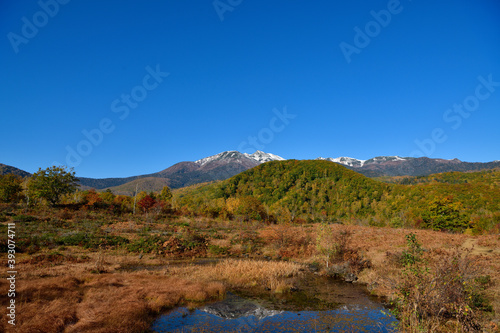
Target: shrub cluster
(428, 294)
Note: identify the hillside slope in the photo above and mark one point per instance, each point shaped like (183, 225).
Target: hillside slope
(321, 190)
(6, 169)
(141, 184)
(301, 187)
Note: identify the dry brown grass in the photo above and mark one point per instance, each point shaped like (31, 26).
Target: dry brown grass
(276, 276)
(273, 275)
(119, 302)
(67, 297)
(289, 241)
(490, 241)
(60, 294)
(383, 246)
(47, 305)
(221, 242)
(130, 301)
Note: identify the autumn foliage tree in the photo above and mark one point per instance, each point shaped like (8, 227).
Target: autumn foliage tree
(92, 199)
(320, 191)
(146, 203)
(444, 214)
(165, 194)
(249, 208)
(10, 187)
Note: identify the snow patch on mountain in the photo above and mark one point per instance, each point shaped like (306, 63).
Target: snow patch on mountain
(223, 155)
(258, 156)
(354, 162)
(262, 157)
(380, 159)
(349, 161)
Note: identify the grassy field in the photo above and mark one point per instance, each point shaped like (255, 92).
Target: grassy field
(92, 271)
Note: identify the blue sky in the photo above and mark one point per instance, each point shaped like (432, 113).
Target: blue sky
(152, 83)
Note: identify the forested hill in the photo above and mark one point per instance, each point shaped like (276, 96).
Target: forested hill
(320, 190)
(7, 169)
(302, 183)
(301, 187)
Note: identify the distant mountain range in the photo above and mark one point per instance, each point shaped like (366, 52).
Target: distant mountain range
(230, 163)
(6, 169)
(409, 166)
(216, 167)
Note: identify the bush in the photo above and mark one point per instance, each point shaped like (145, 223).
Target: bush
(290, 241)
(413, 255)
(450, 288)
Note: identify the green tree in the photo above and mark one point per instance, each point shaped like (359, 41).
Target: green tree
(51, 183)
(10, 187)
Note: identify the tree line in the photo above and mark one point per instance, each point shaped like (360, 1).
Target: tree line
(321, 191)
(294, 192)
(58, 185)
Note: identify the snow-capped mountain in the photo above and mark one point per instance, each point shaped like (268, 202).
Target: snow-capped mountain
(349, 161)
(226, 155)
(382, 159)
(407, 166)
(356, 163)
(262, 157)
(233, 155)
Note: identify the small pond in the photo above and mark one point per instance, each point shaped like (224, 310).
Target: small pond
(320, 305)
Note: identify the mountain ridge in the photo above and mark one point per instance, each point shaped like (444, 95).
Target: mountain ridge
(229, 163)
(8, 169)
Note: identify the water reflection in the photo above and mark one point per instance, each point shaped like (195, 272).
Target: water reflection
(236, 314)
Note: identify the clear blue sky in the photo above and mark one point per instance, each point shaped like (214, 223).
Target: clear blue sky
(86, 66)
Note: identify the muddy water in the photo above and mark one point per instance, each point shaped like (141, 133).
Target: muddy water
(319, 305)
